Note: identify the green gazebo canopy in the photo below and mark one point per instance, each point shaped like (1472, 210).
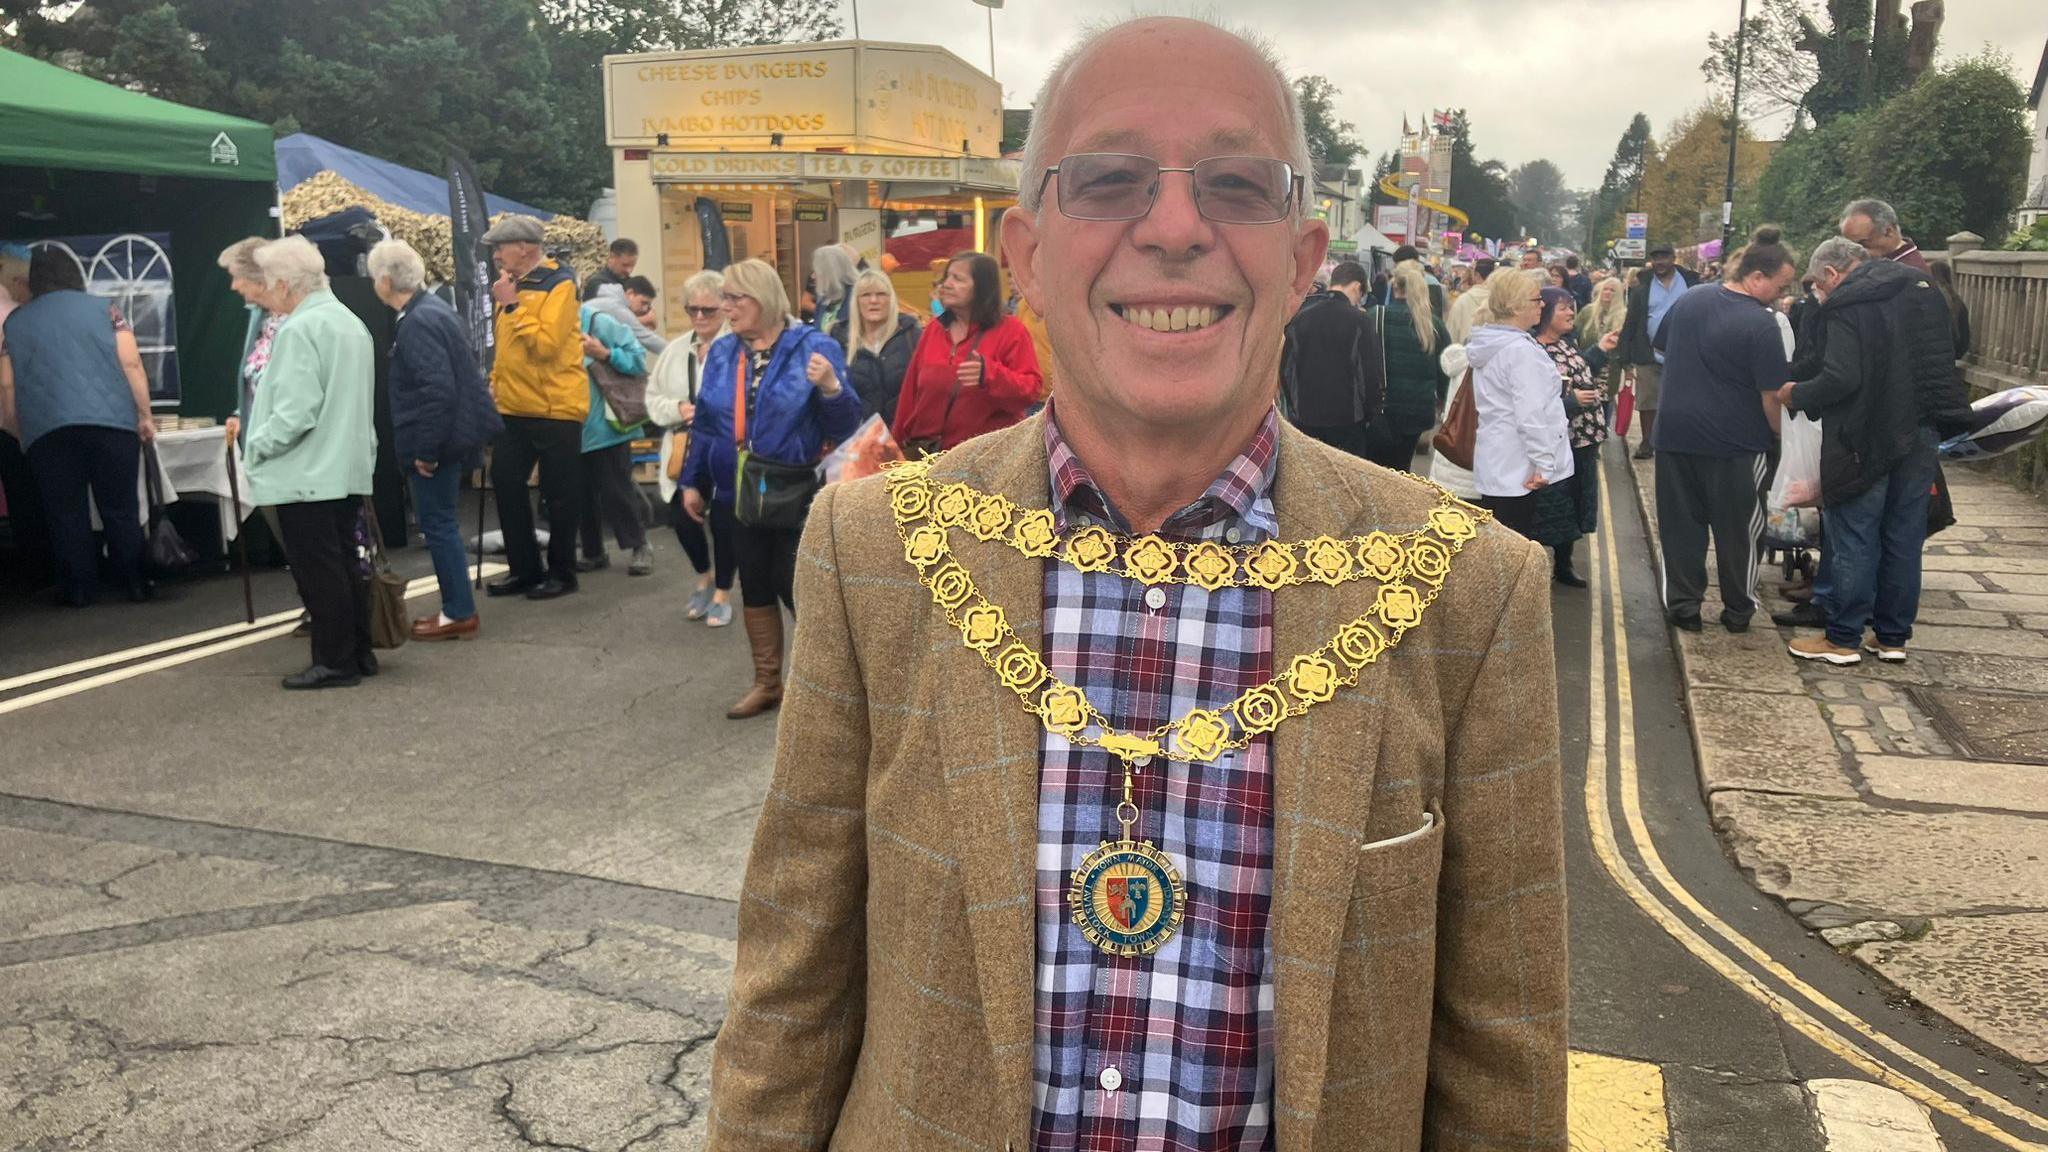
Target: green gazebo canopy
(54, 118)
(79, 157)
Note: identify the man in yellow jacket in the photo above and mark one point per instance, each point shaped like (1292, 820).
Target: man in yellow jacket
(543, 394)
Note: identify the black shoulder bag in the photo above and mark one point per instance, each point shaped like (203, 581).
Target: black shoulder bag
(766, 494)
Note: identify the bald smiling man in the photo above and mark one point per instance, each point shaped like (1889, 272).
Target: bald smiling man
(1151, 776)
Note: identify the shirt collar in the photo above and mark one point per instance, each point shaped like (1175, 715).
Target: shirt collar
(1242, 492)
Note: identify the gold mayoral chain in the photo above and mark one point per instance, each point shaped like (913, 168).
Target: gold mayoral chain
(1126, 896)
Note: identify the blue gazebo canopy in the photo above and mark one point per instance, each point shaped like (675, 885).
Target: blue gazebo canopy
(301, 155)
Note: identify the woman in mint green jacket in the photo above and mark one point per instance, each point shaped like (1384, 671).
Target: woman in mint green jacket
(609, 494)
(309, 448)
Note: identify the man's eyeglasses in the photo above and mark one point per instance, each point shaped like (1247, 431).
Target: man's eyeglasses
(702, 311)
(1228, 189)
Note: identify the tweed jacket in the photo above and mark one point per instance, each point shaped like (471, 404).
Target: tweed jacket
(883, 993)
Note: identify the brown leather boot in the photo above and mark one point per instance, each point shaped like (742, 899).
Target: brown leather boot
(764, 633)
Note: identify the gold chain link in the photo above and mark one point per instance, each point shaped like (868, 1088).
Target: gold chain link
(924, 521)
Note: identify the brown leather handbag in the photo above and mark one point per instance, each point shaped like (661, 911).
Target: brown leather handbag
(1460, 429)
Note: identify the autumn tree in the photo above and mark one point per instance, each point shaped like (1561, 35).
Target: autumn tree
(1684, 184)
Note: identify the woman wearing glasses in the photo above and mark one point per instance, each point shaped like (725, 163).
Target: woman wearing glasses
(773, 397)
(1523, 442)
(974, 371)
(672, 403)
(879, 341)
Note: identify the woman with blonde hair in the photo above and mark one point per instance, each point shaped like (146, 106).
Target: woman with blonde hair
(1523, 442)
(879, 339)
(1411, 336)
(774, 389)
(672, 388)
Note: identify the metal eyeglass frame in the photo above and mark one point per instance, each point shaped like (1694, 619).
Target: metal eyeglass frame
(1287, 206)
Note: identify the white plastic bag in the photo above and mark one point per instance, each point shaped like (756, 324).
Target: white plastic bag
(1798, 481)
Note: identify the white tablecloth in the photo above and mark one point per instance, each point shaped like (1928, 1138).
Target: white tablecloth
(192, 464)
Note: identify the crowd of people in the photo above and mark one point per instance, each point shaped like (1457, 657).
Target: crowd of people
(743, 404)
(1864, 339)
(760, 387)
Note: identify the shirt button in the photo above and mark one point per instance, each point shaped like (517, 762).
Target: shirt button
(1155, 599)
(1111, 1079)
(1232, 535)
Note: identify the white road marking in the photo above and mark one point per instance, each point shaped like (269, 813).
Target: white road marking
(243, 636)
(1857, 1116)
(138, 652)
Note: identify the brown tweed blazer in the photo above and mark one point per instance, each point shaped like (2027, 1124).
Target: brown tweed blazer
(883, 996)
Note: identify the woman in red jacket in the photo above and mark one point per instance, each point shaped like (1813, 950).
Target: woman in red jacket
(974, 370)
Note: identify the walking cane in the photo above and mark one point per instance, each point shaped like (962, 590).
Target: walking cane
(483, 490)
(241, 536)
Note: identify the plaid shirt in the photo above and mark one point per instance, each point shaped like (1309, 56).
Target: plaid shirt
(1189, 1029)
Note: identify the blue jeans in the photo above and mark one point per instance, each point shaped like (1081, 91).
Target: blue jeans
(433, 497)
(1873, 544)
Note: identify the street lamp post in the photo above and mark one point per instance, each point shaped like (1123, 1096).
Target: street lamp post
(1734, 134)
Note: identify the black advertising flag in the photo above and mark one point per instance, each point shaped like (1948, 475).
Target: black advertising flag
(467, 223)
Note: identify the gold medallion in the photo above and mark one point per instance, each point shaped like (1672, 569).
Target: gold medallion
(1127, 898)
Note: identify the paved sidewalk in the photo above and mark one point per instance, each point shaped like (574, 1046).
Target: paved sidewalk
(1902, 810)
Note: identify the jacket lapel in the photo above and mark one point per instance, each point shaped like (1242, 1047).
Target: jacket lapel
(991, 757)
(1323, 771)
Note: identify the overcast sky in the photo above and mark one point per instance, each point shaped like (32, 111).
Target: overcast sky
(1553, 78)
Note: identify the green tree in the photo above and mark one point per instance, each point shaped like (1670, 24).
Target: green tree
(1330, 140)
(1388, 164)
(1480, 188)
(1540, 197)
(1621, 186)
(1810, 177)
(1950, 153)
(1869, 51)
(515, 83)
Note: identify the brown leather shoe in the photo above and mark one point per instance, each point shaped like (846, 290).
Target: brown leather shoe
(430, 628)
(764, 634)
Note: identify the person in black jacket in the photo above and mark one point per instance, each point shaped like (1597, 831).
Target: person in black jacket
(1660, 285)
(1332, 372)
(878, 355)
(1886, 386)
(441, 417)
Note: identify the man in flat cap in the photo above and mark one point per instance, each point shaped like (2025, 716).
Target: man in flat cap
(544, 395)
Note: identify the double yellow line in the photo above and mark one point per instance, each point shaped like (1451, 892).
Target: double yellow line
(1827, 1024)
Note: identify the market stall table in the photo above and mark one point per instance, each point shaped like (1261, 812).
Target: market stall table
(192, 463)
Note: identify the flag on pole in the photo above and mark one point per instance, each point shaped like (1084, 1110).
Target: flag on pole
(467, 223)
(990, 3)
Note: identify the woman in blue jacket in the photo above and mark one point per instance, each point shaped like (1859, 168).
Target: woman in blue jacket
(442, 415)
(775, 386)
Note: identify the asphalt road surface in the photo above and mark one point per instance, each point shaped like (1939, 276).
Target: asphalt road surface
(486, 900)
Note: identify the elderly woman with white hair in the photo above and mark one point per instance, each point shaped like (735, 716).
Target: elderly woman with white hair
(672, 388)
(442, 415)
(308, 449)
